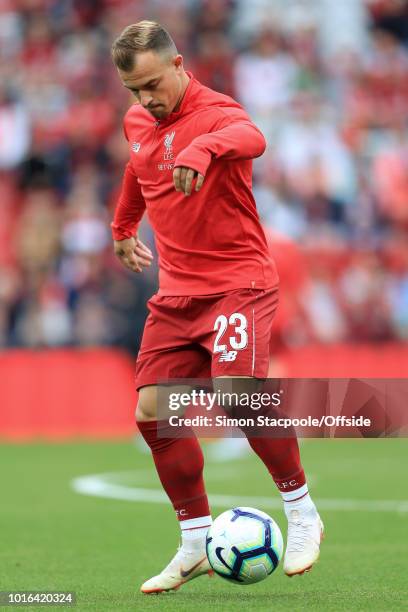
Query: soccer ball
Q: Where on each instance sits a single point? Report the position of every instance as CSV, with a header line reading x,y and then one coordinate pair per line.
x,y
244,545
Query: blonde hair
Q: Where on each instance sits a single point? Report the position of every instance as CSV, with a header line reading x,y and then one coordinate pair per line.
x,y
138,38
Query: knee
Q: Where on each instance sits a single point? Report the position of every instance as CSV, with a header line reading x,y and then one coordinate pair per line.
x,y
146,409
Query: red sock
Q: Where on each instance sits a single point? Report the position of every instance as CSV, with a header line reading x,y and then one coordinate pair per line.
x,y
282,458
179,464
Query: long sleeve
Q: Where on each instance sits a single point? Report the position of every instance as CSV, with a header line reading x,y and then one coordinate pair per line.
x,y
130,207
235,137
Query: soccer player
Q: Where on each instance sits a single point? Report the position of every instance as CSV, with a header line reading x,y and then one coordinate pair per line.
x,y
190,167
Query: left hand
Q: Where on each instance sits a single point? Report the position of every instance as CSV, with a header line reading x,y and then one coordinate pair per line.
x,y
183,179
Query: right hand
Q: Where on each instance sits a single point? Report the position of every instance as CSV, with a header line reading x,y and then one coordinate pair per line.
x,y
133,254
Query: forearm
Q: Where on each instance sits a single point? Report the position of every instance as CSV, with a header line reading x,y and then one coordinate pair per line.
x,y
130,207
239,140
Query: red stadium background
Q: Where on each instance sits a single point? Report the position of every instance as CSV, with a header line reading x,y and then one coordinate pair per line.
x,y
332,191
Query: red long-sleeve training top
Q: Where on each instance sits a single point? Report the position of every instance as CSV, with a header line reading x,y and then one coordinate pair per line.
x,y
210,241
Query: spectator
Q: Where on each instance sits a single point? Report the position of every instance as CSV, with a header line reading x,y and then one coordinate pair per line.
x,y
332,184
14,129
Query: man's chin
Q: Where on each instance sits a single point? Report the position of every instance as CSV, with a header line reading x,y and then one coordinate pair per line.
x,y
158,113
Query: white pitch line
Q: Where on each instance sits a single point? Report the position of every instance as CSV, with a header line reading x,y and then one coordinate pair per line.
x,y
96,485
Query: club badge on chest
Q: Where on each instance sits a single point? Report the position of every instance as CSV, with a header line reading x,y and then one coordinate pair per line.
x,y
168,154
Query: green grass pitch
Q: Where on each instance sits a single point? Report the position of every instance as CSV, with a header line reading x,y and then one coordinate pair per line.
x,y
52,538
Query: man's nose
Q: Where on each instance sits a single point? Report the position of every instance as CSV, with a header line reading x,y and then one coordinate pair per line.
x,y
145,99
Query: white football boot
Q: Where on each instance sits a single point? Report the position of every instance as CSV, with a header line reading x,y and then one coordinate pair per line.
x,y
305,532
184,566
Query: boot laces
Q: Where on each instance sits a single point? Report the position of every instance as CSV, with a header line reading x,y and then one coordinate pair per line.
x,y
298,532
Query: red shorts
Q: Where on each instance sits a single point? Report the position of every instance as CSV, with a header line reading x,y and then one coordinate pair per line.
x,y
204,336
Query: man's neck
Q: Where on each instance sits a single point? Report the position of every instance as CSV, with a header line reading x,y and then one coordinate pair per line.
x,y
185,82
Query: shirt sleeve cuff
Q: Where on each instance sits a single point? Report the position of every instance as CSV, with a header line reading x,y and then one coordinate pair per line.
x,y
122,233
191,158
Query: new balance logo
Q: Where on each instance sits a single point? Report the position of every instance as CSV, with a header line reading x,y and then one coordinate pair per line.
x,y
228,356
135,147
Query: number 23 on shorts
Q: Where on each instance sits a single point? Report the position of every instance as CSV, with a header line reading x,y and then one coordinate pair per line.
x,y
239,339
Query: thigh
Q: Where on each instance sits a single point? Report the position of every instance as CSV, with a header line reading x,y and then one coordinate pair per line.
x,y
154,401
167,350
238,332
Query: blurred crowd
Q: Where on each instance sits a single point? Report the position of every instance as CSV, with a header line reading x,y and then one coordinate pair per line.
x,y
327,83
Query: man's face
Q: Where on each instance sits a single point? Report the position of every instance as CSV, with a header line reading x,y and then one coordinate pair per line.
x,y
156,82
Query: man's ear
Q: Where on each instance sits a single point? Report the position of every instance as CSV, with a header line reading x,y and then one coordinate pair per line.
x,y
178,61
